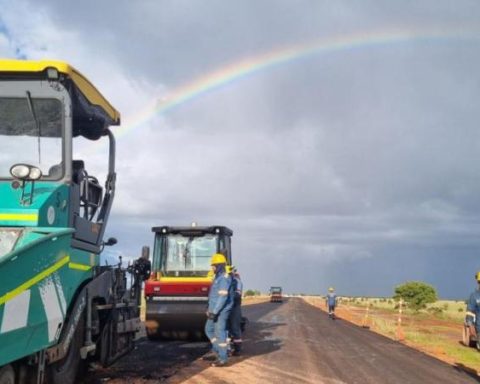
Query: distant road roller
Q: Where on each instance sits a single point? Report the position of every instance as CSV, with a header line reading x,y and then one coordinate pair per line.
x,y
177,292
276,295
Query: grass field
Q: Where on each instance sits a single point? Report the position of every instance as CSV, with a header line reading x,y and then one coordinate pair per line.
x,y
443,309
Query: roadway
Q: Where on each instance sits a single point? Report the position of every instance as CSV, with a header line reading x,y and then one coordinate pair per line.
x,y
289,342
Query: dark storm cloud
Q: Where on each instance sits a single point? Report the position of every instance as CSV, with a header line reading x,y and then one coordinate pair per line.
x,y
173,41
355,168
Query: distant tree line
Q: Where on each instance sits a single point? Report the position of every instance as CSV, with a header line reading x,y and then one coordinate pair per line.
x,y
251,292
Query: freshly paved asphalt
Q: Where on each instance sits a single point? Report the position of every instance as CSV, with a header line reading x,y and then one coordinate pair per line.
x,y
289,342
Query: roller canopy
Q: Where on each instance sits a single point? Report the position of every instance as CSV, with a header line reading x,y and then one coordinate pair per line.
x,y
194,231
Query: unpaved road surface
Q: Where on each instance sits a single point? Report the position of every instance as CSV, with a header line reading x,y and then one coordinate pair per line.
x,y
289,342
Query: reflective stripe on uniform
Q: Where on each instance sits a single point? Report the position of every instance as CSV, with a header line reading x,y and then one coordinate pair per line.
x,y
213,339
222,345
223,292
237,341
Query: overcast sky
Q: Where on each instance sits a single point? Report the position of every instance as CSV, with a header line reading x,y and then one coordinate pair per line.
x,y
355,168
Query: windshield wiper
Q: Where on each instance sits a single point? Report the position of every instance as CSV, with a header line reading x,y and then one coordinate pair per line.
x,y
37,124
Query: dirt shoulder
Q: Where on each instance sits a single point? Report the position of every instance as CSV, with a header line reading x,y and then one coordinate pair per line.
x,y
440,338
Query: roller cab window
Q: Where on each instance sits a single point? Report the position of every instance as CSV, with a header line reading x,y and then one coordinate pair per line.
x,y
186,255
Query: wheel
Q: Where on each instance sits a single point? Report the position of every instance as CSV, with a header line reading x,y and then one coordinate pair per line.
x,y
180,335
198,336
157,335
7,375
467,338
152,335
71,366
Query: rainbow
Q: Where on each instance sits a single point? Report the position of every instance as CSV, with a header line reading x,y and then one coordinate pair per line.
x,y
246,67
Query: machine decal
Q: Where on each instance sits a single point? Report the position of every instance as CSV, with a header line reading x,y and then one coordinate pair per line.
x,y
15,313
73,325
80,267
19,216
34,280
61,295
52,306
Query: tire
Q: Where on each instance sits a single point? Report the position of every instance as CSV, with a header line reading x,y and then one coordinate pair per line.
x,y
71,366
7,375
467,338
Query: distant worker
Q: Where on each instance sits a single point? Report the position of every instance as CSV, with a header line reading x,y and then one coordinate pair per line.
x,y
220,302
331,302
472,318
235,320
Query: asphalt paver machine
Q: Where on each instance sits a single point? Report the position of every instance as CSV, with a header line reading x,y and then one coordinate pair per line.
x,y
58,307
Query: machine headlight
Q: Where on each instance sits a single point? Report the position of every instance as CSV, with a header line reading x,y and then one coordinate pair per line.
x,y
52,73
25,172
34,173
20,171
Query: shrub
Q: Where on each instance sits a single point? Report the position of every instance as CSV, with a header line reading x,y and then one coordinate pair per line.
x,y
435,310
416,294
249,292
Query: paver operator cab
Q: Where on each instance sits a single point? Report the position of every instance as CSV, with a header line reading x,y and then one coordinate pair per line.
x,y
177,291
58,307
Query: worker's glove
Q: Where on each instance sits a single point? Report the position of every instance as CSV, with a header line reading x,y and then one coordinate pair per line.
x,y
212,316
469,320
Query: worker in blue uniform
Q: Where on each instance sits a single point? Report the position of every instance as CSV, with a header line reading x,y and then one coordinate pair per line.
x,y
220,302
235,320
472,317
331,302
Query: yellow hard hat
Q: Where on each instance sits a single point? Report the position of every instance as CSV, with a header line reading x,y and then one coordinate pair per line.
x,y
477,276
330,289
218,258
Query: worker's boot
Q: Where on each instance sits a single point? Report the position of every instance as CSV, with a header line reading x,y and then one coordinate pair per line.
x,y
210,356
219,363
237,347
